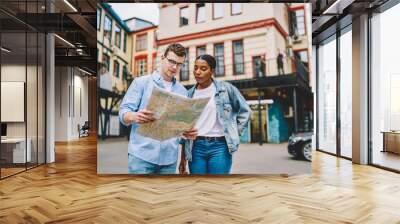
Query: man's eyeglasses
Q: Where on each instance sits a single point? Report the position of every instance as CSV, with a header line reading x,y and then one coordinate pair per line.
x,y
173,63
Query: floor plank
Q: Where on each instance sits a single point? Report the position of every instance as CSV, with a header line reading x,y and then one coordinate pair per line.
x,y
70,191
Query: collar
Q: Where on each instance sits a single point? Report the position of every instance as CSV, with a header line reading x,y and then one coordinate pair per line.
x,y
159,79
218,86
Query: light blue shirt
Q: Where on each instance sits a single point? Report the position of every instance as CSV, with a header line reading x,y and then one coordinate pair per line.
x,y
137,98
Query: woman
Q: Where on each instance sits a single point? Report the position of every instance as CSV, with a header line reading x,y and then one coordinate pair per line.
x,y
219,126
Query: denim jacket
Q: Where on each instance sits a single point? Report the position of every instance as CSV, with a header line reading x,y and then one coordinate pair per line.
x,y
232,112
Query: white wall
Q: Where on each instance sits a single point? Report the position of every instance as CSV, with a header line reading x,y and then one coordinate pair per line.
x,y
71,103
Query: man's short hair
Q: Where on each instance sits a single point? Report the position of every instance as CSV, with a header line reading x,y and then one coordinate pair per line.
x,y
178,49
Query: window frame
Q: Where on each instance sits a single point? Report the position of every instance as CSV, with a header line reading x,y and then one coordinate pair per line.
x,y
197,13
308,56
99,18
145,39
120,36
109,36
116,65
180,15
137,66
106,62
233,57
201,46
241,9
188,67
125,41
304,21
216,59
213,11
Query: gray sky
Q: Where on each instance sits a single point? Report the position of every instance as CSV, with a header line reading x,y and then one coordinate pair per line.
x,y
147,11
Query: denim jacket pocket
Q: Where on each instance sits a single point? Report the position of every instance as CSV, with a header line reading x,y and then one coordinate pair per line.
x,y
227,110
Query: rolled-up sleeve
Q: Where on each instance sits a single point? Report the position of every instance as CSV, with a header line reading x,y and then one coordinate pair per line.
x,y
131,100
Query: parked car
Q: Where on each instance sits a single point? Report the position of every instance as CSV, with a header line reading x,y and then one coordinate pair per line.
x,y
300,145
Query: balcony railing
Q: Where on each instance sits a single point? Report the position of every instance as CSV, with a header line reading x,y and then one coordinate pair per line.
x,y
286,66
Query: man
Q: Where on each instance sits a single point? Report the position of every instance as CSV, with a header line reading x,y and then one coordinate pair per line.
x,y
260,66
147,155
279,61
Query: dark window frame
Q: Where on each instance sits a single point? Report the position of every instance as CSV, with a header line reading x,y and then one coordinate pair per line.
x,y
109,35
197,12
120,36
233,57
106,62
99,18
216,58
180,16
116,65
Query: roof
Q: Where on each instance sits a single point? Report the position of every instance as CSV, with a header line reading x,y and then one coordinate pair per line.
x,y
146,21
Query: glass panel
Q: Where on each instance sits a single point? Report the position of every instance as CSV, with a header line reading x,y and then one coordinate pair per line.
x,y
98,18
125,36
218,10
41,99
141,67
31,98
107,27
327,97
184,16
13,77
346,94
116,69
118,36
184,73
236,8
219,56
141,42
200,50
385,84
300,24
201,13
238,57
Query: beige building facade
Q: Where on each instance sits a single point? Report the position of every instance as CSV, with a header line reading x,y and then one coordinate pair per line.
x,y
114,48
261,48
260,30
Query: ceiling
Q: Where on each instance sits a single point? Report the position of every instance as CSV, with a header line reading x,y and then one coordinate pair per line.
x,y
330,15
74,21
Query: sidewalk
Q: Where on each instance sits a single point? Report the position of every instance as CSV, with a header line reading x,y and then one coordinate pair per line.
x,y
112,158
267,159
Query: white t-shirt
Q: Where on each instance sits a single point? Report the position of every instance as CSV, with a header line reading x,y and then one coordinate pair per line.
x,y
167,85
208,124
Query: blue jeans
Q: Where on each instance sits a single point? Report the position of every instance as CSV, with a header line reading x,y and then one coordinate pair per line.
x,y
139,166
210,157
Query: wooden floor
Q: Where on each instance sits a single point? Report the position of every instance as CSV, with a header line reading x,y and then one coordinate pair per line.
x,y
70,191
